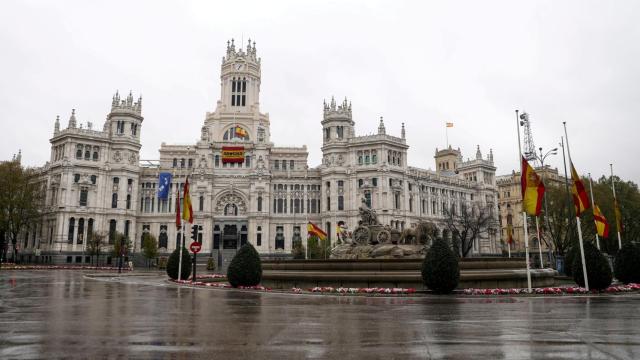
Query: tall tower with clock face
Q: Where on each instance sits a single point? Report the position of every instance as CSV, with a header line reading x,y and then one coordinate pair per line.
x,y
240,79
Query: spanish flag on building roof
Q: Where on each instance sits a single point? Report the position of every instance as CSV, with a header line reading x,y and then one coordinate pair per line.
x,y
532,189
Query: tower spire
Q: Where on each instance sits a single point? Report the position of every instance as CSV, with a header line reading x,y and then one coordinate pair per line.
x,y
56,125
381,128
402,133
72,119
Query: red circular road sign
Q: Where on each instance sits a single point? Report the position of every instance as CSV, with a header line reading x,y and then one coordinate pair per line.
x,y
195,247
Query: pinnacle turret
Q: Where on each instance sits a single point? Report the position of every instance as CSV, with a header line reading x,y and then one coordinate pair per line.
x,y
478,153
402,133
56,125
72,119
127,104
381,128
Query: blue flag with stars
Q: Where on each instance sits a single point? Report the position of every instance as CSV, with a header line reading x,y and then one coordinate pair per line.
x,y
164,184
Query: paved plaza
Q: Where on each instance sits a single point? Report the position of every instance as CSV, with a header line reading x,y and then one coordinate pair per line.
x,y
64,314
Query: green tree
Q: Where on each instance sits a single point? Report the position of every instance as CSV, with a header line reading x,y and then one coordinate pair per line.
x,y
95,245
149,247
298,250
318,249
21,202
121,247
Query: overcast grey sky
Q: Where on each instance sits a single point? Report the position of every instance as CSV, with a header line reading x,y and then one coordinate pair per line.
x,y
422,63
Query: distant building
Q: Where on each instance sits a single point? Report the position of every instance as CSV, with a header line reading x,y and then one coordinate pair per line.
x,y
244,188
510,207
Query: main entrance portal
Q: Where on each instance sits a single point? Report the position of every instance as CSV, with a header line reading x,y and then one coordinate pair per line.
x,y
228,237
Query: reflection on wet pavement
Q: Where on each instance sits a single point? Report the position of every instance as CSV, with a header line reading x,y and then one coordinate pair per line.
x,y
59,314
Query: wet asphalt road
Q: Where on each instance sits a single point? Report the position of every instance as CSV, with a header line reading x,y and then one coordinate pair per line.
x,y
61,314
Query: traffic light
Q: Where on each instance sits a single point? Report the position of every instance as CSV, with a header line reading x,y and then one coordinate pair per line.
x,y
200,234
194,232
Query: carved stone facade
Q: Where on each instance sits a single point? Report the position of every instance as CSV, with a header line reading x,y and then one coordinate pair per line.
x,y
267,199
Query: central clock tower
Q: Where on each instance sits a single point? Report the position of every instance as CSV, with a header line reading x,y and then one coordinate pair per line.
x,y
240,79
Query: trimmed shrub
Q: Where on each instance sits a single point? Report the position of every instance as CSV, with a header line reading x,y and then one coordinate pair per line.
x,y
569,257
627,264
174,262
440,269
598,269
211,264
245,268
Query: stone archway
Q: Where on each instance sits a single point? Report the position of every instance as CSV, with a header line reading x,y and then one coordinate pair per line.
x,y
231,204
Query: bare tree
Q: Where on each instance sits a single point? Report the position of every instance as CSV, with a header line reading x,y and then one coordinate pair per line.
x,y
21,201
468,224
95,244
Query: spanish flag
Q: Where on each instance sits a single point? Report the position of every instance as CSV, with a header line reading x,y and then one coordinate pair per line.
x,y
532,189
601,222
241,132
580,198
312,229
449,124
616,209
187,210
509,234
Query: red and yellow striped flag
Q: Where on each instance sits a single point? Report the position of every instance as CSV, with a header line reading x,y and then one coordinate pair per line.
x,y
602,227
532,189
509,234
187,209
616,209
580,198
312,229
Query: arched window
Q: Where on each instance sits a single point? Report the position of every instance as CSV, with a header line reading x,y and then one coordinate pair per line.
x,y
72,225
87,154
114,200
112,231
79,152
80,236
231,210
236,132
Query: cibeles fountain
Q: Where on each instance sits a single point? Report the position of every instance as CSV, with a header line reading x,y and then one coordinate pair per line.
x,y
372,240
375,255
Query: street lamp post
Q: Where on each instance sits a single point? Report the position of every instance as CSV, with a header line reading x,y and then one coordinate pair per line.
x,y
542,157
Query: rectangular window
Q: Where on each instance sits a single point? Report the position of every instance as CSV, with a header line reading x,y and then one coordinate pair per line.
x,y
340,203
291,164
259,239
84,193
328,203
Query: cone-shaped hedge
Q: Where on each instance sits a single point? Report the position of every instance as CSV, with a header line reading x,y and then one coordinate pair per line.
x,y
569,257
174,261
627,264
440,270
598,269
245,268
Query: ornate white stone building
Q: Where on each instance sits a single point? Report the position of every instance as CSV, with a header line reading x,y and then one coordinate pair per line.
x,y
95,180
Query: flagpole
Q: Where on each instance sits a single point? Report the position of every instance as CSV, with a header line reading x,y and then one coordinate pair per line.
x,y
446,134
509,248
539,243
180,241
615,200
524,214
584,264
593,209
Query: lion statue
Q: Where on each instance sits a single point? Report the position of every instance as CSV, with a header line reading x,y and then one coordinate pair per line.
x,y
422,233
